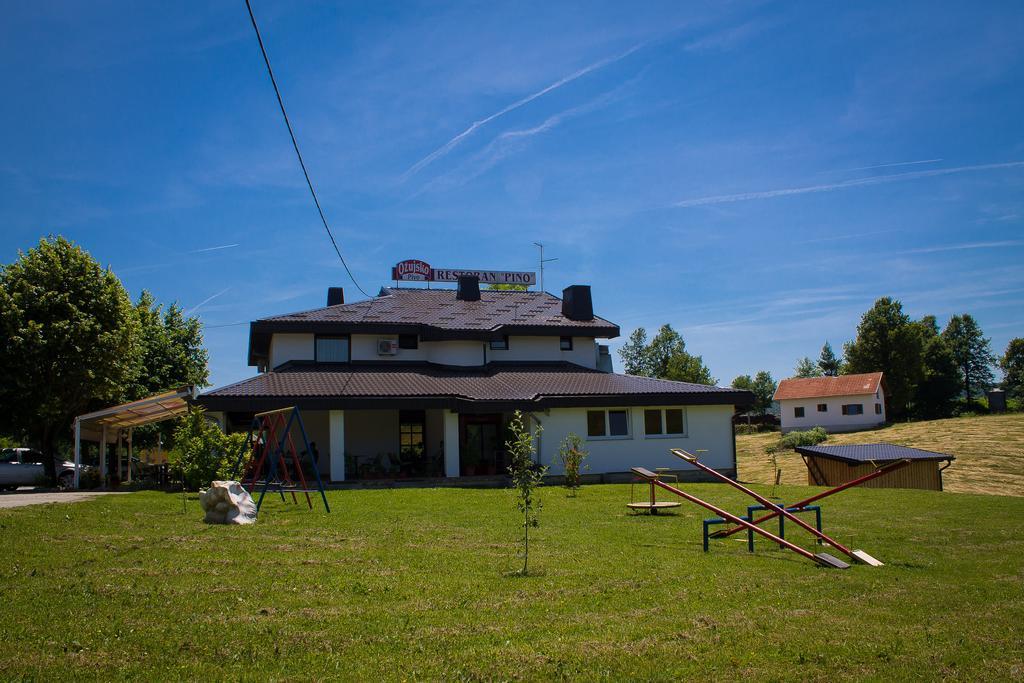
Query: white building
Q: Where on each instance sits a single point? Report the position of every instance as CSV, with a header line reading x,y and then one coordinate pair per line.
x,y
839,404
420,383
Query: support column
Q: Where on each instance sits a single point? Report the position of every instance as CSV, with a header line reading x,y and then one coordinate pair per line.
x,y
78,450
130,430
118,451
451,444
103,457
336,422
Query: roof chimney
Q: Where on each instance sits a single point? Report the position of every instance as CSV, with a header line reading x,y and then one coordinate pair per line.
x,y
335,296
469,288
576,303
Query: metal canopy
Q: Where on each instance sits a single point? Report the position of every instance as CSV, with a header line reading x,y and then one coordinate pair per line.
x,y
156,408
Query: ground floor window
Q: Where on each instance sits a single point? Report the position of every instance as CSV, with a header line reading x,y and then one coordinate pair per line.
x,y
878,409
798,411
664,422
607,423
411,440
822,407
853,409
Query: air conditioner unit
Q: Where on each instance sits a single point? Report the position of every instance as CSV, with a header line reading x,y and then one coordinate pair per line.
x,y
387,347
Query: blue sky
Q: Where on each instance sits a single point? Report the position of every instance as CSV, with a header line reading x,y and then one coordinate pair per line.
x,y
756,174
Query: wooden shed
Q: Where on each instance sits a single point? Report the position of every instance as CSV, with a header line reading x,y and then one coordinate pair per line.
x,y
835,465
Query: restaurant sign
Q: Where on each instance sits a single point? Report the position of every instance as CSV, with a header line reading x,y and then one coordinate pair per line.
x,y
418,271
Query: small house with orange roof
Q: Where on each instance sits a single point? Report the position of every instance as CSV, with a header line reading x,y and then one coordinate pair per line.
x,y
838,404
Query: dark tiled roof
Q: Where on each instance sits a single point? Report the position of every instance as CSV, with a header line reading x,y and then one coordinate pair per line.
x,y
872,452
440,309
820,387
533,384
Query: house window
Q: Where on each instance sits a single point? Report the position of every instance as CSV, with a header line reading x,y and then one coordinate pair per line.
x,y
565,343
664,421
607,423
822,407
408,341
331,349
411,440
499,344
798,411
853,409
878,409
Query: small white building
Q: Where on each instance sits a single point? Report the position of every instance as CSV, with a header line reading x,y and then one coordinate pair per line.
x,y
839,404
420,383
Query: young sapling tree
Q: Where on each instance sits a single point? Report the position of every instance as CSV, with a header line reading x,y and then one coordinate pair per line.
x,y
527,475
571,454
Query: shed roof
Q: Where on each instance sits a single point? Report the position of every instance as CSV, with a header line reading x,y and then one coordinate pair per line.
x,y
821,387
872,452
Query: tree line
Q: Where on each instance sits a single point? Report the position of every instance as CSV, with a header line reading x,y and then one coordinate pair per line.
x,y
930,371
74,342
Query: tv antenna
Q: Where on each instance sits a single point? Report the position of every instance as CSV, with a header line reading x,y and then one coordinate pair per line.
x,y
542,262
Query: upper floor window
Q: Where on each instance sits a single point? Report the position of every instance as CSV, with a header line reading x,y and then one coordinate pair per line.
x,y
408,341
565,343
853,409
499,344
332,349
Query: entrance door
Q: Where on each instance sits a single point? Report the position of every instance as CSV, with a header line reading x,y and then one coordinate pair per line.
x,y
482,451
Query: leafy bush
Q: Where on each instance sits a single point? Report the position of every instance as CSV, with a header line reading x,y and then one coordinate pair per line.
x,y
965,408
790,441
202,452
572,453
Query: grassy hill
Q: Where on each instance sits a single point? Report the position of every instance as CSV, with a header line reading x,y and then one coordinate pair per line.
x,y
989,451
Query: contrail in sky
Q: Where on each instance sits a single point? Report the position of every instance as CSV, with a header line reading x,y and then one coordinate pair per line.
x,y
858,182
898,163
205,301
450,145
223,246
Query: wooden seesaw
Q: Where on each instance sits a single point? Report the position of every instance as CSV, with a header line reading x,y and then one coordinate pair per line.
x,y
824,559
776,510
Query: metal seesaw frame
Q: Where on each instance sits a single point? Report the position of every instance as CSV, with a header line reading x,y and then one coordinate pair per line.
x,y
824,559
858,555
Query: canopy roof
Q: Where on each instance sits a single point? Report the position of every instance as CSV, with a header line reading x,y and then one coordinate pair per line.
x,y
156,408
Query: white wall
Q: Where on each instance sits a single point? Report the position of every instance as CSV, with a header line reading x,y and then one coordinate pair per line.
x,y
584,352
832,419
286,346
707,427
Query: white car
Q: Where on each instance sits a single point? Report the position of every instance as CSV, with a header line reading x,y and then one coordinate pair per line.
x,y
24,467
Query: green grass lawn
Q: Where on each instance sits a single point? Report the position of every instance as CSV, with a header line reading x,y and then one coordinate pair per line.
x,y
417,584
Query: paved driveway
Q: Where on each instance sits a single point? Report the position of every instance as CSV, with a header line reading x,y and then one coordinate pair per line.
x,y
17,499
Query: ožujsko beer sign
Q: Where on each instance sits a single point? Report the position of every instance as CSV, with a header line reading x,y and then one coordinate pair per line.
x,y
418,271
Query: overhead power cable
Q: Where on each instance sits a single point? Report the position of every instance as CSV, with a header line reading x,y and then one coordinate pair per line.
x,y
295,144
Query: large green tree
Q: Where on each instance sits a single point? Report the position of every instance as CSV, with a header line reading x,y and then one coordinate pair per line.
x,y
828,363
805,367
940,380
171,355
972,352
1012,364
70,341
889,342
665,357
762,386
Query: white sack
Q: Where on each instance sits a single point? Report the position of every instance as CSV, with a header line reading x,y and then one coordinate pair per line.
x,y
226,502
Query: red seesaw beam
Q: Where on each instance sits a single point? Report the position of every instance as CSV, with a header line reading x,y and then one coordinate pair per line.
x,y
858,555
724,533
821,558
